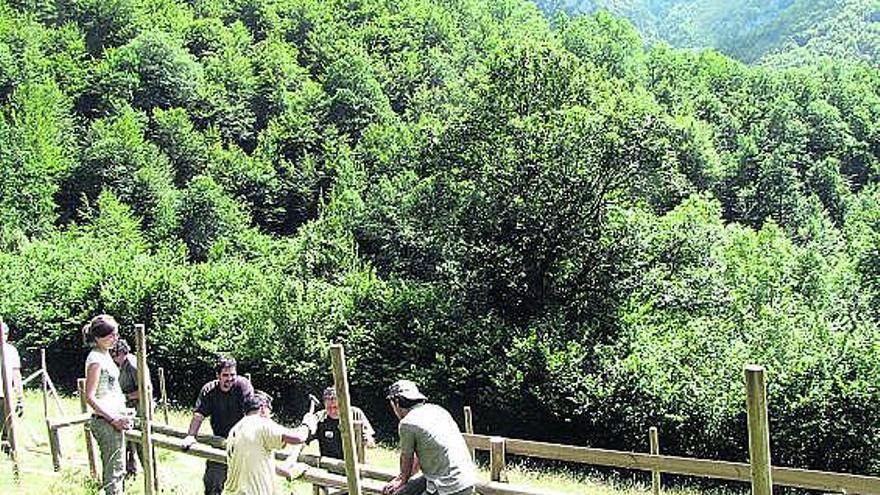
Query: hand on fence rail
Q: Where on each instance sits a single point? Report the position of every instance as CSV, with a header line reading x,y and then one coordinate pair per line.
x,y
188,442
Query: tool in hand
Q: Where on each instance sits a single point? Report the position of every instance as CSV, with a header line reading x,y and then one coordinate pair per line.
x,y
292,467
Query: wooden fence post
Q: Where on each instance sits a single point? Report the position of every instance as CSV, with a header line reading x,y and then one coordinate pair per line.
x,y
54,394
359,440
164,396
45,382
759,431
654,441
9,416
497,459
145,400
469,428
54,446
90,440
340,378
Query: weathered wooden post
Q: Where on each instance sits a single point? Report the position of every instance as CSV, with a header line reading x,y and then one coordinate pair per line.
x,y
45,382
469,428
654,441
145,400
497,459
9,416
340,378
90,440
163,394
54,394
54,446
359,440
759,430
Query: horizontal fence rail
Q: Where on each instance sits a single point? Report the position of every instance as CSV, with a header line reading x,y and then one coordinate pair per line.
x,y
211,447
735,471
325,472
329,472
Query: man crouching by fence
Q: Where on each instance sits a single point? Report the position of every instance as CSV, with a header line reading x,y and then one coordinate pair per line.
x,y
250,445
430,440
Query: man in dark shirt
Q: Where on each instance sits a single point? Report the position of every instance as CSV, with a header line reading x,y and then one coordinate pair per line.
x,y
327,434
128,383
223,400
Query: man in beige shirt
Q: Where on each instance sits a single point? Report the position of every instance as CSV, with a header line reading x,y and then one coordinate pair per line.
x,y
13,370
250,446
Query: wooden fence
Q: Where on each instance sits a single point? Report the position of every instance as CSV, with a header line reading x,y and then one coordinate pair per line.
x,y
759,471
499,448
766,474
724,470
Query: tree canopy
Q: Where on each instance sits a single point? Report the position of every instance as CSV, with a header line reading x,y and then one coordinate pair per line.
x,y
571,230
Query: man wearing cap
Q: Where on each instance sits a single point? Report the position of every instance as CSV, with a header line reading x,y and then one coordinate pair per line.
x,y
121,354
13,370
250,446
223,400
328,435
429,440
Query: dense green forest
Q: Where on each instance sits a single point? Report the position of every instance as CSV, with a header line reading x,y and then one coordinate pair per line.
x,y
577,235
788,32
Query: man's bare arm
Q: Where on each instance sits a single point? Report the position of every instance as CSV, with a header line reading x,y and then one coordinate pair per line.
x,y
194,425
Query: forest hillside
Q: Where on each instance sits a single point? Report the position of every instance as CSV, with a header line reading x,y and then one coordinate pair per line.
x,y
790,32
574,232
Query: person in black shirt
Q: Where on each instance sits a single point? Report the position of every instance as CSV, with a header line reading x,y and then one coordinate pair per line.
x,y
223,400
327,434
129,385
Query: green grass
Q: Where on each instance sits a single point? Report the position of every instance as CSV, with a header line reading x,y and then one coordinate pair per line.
x,y
182,474
178,473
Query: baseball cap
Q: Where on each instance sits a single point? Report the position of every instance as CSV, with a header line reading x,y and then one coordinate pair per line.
x,y
406,389
329,393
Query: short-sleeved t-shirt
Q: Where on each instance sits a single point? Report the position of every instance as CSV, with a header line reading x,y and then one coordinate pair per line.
x,y
13,361
328,435
251,464
430,432
224,408
108,392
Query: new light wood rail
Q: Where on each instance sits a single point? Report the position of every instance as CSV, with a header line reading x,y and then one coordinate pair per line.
x,y
210,447
213,448
323,471
737,471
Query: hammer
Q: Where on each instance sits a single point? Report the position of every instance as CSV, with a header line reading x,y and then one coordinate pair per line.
x,y
313,401
292,466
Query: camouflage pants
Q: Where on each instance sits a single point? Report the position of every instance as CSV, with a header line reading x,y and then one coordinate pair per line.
x,y
418,485
110,441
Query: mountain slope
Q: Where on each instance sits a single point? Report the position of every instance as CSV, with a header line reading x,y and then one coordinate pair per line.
x,y
851,33
750,30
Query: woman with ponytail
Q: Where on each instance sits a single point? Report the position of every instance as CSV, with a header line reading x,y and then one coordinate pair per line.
x,y
104,394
